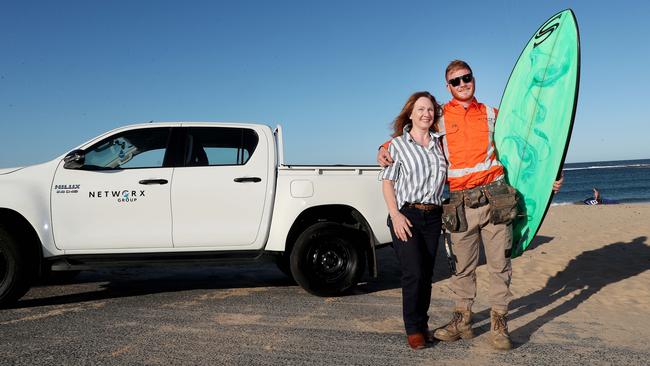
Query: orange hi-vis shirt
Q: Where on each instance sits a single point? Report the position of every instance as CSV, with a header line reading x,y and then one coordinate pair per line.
x,y
469,144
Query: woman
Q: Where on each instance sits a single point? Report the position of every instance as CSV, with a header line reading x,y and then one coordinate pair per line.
x,y
412,187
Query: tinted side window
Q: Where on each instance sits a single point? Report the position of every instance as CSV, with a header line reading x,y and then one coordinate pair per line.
x,y
143,148
219,146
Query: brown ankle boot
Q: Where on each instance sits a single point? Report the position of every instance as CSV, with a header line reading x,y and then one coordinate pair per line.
x,y
460,326
499,331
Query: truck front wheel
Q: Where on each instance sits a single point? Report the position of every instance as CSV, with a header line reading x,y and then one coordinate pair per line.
x,y
325,259
14,273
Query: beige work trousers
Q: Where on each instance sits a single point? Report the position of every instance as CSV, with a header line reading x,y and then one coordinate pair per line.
x,y
496,240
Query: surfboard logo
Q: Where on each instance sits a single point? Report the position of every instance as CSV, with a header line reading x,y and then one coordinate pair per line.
x,y
546,30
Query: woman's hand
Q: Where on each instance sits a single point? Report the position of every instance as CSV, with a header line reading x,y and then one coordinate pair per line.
x,y
401,226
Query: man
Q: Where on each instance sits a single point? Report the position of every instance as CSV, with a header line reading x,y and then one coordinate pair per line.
x,y
468,128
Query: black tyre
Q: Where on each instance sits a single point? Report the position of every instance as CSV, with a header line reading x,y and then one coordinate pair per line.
x,y
326,260
15,274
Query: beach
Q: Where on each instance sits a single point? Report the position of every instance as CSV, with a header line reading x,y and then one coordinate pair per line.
x,y
581,296
584,281
580,292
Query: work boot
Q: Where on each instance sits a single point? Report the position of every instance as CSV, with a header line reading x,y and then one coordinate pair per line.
x,y
499,331
460,326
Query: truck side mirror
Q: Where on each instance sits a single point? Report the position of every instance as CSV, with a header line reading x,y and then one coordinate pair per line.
x,y
74,160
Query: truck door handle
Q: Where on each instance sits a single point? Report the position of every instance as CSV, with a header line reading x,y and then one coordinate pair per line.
x,y
153,181
247,179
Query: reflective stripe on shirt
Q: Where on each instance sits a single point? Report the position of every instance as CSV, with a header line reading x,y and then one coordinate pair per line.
x,y
468,138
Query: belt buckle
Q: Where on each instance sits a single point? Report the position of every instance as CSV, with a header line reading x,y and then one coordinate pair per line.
x,y
425,206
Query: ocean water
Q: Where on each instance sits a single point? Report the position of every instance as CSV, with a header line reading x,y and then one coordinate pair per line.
x,y
624,181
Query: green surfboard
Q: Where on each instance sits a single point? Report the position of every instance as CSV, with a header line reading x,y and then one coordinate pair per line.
x,y
535,120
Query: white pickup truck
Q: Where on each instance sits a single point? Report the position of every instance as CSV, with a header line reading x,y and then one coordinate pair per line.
x,y
169,193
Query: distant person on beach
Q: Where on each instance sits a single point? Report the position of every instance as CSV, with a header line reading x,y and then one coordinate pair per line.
x,y
412,188
476,178
597,199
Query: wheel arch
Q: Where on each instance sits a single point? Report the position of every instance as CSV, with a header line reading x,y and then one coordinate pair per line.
x,y
342,214
23,231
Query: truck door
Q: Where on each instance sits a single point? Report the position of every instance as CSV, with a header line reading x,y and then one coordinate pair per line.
x,y
119,198
219,197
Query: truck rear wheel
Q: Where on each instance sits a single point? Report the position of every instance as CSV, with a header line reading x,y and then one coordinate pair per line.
x,y
326,261
14,272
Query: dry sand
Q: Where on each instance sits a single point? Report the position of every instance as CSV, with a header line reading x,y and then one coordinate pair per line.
x,y
585,277
581,292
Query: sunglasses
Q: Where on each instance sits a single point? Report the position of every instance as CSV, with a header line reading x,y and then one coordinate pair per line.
x,y
467,78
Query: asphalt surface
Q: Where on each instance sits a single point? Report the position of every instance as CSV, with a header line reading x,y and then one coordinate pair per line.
x,y
250,315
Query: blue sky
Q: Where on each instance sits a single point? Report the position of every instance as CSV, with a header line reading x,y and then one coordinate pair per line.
x,y
333,73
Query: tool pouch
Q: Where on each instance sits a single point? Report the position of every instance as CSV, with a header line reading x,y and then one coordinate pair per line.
x,y
474,198
503,203
453,214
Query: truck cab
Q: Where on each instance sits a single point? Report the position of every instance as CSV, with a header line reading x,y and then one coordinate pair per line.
x,y
188,192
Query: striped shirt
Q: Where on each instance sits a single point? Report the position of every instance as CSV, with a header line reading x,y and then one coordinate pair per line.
x,y
419,173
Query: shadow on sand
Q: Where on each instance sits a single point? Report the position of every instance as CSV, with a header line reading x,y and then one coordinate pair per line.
x,y
127,282
583,277
390,272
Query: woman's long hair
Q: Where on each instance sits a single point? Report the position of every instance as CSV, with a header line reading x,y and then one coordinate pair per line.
x,y
403,118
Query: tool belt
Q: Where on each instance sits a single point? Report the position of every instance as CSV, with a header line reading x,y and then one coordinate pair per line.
x,y
453,214
501,197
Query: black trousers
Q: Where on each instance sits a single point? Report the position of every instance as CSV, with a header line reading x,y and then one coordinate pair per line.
x,y
416,257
